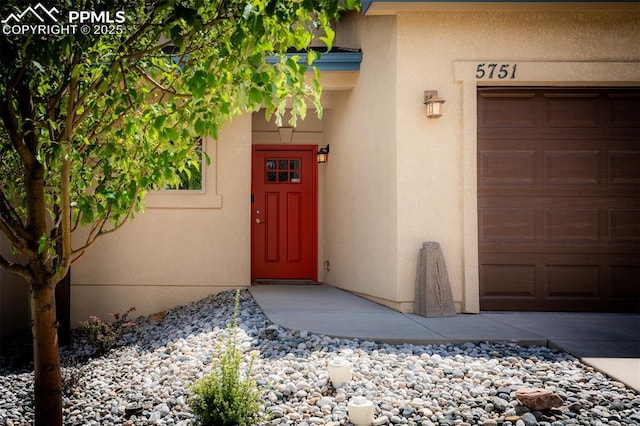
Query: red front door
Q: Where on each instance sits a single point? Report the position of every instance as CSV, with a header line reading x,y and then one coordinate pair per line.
x,y
283,213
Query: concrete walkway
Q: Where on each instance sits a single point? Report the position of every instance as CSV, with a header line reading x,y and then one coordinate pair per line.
x,y
608,342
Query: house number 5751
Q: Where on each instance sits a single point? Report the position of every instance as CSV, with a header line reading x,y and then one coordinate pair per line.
x,y
499,71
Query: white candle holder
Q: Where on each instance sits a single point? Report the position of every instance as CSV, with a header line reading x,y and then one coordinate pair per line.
x,y
339,371
360,411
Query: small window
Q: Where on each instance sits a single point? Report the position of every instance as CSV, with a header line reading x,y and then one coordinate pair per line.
x,y
282,170
206,197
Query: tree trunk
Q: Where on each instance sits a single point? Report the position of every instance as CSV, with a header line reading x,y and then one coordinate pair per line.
x,y
46,359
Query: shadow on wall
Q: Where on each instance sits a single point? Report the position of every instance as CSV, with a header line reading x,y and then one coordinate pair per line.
x,y
14,298
14,305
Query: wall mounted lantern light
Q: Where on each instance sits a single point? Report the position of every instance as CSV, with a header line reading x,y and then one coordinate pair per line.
x,y
434,104
323,154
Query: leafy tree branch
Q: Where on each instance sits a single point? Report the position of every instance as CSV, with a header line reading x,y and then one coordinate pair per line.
x,y
91,123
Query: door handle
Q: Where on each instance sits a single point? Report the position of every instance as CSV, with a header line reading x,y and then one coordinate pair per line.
x,y
259,221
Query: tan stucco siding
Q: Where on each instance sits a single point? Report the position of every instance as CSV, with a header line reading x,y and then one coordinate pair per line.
x,y
436,158
170,256
359,203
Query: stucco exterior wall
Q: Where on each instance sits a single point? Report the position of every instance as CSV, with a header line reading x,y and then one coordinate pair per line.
x,y
436,158
396,178
360,207
170,256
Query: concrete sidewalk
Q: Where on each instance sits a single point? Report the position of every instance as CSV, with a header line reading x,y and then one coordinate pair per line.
x,y
608,342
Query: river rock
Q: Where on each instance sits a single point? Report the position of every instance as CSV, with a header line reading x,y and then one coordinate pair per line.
x,y
537,399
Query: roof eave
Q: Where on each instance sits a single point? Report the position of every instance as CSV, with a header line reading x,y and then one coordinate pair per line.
x,y
392,7
330,61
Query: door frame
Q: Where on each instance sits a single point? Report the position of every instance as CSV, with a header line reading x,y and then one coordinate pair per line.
x,y
314,199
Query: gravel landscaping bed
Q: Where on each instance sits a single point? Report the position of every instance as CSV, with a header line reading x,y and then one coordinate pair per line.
x,y
409,384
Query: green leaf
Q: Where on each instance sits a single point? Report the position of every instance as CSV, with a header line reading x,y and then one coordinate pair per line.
x,y
158,123
199,126
43,243
130,128
171,133
176,35
255,95
351,4
133,187
38,66
198,83
86,212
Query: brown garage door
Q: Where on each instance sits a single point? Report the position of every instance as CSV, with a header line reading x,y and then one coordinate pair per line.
x,y
559,199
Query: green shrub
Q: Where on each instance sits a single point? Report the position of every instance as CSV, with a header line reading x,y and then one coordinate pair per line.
x,y
103,336
226,397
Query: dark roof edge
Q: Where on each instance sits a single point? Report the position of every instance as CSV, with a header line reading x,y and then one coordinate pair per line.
x,y
366,4
331,61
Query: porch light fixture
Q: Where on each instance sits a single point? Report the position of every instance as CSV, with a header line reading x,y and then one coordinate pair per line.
x,y
360,411
339,371
434,104
322,155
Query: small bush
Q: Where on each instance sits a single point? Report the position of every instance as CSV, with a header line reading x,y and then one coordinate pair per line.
x,y
226,397
103,336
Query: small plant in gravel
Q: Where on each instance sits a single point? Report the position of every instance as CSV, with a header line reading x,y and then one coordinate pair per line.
x,y
227,397
102,336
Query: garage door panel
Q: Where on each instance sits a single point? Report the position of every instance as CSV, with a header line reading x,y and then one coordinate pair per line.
x,y
521,111
624,225
578,249
507,224
624,167
546,282
623,111
561,191
572,281
572,167
624,281
559,203
507,167
571,225
516,280
595,224
571,110
569,165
